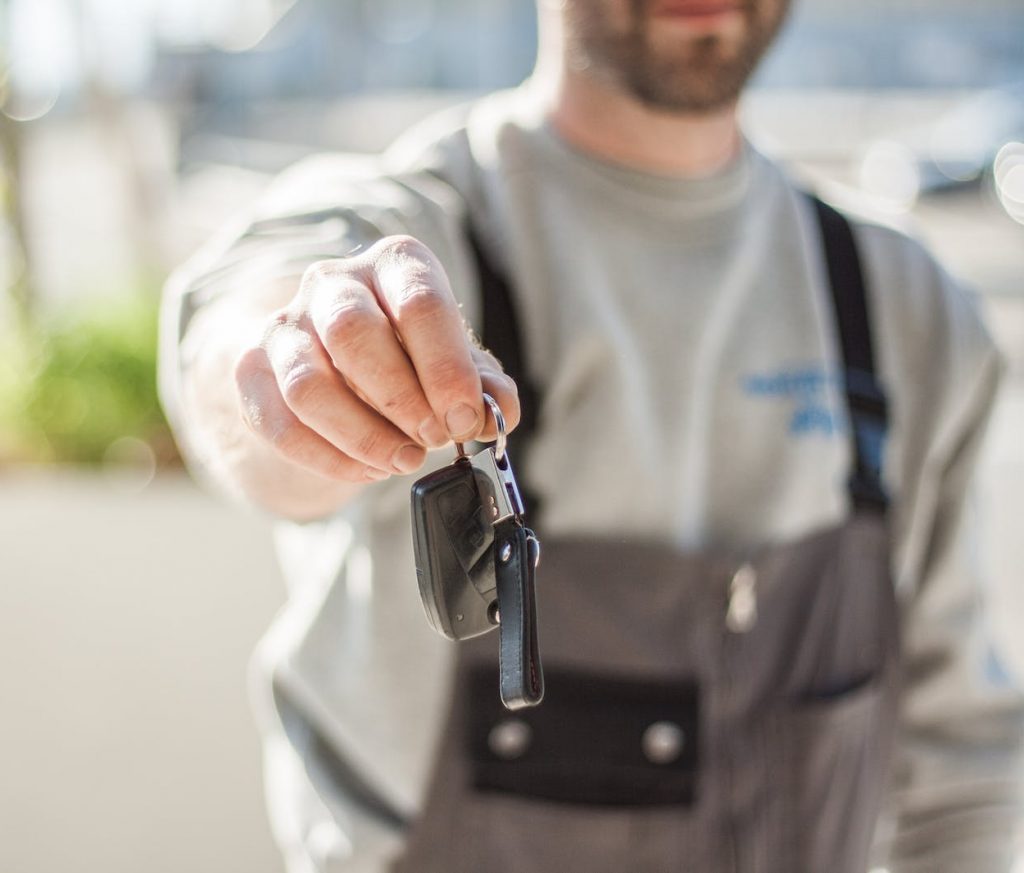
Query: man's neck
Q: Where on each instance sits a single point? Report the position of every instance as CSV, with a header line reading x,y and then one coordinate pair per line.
x,y
604,121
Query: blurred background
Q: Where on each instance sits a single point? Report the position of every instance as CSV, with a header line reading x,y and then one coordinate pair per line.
x,y
129,131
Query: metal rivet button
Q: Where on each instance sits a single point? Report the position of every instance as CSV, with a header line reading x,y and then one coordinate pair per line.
x,y
663,742
510,739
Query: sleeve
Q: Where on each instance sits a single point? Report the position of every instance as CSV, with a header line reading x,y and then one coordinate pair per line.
x,y
956,784
328,206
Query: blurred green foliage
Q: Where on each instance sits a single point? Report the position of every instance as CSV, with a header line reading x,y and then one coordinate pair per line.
x,y
73,383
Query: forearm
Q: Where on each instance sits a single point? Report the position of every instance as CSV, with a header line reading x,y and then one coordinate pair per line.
x,y
225,447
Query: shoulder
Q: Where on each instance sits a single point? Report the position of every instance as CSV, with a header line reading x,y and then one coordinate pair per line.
x,y
928,324
431,162
470,148
910,284
937,359
332,204
429,178
933,319
465,133
928,319
332,184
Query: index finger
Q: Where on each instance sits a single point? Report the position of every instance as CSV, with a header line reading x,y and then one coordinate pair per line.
x,y
414,292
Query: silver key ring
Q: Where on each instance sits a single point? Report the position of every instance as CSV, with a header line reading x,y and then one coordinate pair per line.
x,y
499,422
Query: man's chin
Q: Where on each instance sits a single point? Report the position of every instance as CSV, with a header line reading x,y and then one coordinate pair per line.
x,y
702,86
684,56
690,105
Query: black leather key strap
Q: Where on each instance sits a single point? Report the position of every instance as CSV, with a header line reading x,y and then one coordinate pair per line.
x,y
521,680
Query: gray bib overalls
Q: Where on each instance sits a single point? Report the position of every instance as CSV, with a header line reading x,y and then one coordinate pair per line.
x,y
701,713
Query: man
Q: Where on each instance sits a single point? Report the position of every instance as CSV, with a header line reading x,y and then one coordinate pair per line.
x,y
740,406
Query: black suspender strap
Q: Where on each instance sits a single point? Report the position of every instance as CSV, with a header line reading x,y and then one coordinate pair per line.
x,y
865,401
502,337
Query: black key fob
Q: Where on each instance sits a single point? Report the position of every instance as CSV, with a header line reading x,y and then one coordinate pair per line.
x,y
453,533
476,562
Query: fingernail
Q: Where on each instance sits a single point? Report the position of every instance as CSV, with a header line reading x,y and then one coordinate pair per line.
x,y
462,421
376,475
432,434
407,459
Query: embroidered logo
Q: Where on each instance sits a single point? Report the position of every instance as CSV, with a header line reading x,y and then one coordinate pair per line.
x,y
807,388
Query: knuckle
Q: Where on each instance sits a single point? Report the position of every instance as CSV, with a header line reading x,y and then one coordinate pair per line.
x,y
302,387
286,437
349,325
254,416
404,399
348,470
401,248
280,318
418,301
454,376
247,365
324,270
372,444
338,467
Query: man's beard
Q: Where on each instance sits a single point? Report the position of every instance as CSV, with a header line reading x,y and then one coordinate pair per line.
x,y
705,72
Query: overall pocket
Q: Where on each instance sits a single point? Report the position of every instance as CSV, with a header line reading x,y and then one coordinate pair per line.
x,y
587,781
832,766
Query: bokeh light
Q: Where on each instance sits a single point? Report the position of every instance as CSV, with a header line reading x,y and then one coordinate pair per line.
x,y
1008,175
130,464
31,105
888,173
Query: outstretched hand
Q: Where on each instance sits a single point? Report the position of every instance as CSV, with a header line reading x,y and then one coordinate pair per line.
x,y
370,365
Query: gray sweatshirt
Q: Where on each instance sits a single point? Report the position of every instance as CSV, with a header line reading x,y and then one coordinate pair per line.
x,y
681,336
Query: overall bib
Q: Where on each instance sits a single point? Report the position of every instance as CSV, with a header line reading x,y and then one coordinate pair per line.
x,y
701,713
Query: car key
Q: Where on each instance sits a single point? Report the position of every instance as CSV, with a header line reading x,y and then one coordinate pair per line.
x,y
476,560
